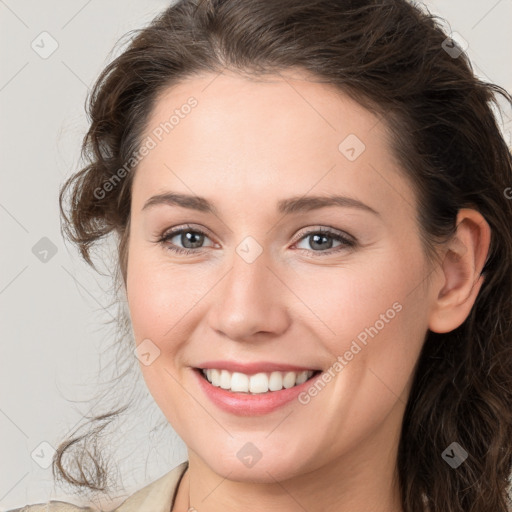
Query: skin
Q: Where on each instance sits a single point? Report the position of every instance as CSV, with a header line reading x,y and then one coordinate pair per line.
x,y
247,145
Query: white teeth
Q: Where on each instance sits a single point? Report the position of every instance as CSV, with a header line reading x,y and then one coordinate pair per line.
x,y
239,382
275,383
215,377
302,377
225,379
257,383
289,379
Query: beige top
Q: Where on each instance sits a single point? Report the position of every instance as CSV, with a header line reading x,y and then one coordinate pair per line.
x,y
157,496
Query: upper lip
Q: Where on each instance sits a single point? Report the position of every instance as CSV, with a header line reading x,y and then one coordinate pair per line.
x,y
252,368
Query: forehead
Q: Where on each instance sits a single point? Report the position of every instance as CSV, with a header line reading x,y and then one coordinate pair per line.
x,y
214,134
284,108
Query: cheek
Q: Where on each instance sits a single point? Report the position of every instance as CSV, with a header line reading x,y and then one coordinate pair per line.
x,y
147,297
151,290
156,302
162,297
379,322
346,301
377,317
146,300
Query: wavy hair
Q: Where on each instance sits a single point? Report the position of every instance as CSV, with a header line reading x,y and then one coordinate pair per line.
x,y
395,59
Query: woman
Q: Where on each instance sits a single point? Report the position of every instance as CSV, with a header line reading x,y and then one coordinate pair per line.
x,y
228,144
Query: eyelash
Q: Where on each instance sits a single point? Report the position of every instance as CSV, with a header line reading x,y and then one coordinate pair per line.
x,y
346,242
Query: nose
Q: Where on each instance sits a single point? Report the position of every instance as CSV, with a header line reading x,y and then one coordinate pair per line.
x,y
250,302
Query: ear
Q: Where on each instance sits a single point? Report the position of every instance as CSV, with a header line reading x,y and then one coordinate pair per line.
x,y
464,258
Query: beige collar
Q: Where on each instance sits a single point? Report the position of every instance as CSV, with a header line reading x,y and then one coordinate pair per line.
x,y
158,496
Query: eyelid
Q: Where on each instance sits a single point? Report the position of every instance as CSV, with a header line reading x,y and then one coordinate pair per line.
x,y
299,236
347,242
175,230
322,229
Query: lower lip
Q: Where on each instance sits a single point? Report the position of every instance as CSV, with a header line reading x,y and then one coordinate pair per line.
x,y
244,404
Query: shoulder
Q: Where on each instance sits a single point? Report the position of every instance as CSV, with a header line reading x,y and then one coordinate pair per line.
x,y
53,506
158,496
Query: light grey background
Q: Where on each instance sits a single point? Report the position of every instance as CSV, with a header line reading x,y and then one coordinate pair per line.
x,y
52,312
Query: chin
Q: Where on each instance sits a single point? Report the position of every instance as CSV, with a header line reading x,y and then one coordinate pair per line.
x,y
266,470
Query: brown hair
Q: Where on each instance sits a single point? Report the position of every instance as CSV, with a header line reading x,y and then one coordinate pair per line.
x,y
392,58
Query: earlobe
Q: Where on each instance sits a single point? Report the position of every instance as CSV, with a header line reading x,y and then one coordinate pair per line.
x,y
464,258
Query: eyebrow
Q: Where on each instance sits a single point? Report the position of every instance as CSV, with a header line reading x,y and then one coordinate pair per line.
x,y
284,206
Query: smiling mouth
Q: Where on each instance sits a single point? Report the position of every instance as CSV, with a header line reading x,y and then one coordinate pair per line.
x,y
258,383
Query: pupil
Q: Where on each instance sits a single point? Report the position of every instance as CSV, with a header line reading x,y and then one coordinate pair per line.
x,y
319,245
189,237
196,239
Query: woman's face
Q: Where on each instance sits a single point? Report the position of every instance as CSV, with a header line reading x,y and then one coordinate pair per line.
x,y
277,278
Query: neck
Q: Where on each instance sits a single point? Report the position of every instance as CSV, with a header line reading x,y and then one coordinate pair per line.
x,y
363,480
